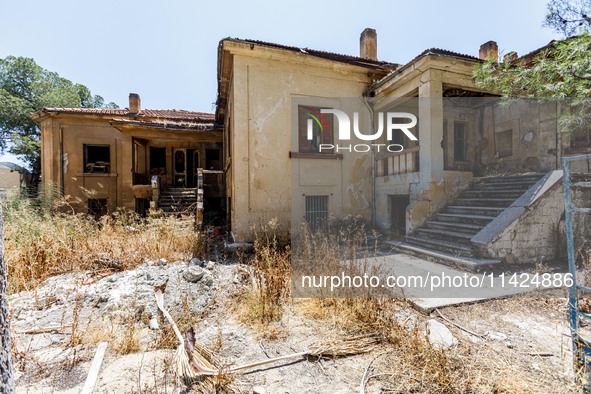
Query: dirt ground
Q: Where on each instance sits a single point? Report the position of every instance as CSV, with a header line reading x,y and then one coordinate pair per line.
x,y
524,341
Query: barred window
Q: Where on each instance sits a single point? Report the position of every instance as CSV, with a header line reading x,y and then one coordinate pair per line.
x,y
317,213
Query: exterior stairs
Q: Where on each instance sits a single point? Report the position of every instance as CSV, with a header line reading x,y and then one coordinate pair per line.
x,y
447,235
176,200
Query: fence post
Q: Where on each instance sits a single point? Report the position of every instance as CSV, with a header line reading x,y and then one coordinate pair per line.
x,y
6,378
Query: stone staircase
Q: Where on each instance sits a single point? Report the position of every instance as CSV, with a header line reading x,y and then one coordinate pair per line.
x,y
176,200
448,234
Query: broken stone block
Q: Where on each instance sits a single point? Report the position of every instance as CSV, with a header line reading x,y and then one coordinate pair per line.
x,y
193,274
196,261
258,390
439,335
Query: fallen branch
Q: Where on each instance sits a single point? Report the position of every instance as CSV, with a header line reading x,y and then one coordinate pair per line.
x,y
190,364
95,367
458,326
340,348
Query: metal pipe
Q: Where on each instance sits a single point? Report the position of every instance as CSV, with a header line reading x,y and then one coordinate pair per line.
x,y
373,164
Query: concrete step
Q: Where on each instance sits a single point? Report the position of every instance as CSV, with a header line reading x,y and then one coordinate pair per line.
x,y
463,218
485,202
532,178
491,194
468,263
452,248
467,210
453,236
521,186
453,226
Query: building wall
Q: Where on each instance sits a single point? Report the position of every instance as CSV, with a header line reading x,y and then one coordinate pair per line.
x,y
63,141
534,137
517,243
265,182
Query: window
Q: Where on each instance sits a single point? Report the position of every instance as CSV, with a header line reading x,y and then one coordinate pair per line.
x,y
580,139
317,213
314,129
97,158
504,143
460,141
97,207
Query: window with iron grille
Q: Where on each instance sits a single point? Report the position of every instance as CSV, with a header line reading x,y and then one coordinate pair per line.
x,y
317,212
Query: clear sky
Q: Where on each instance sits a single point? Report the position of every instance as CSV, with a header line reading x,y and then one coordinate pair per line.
x,y
166,50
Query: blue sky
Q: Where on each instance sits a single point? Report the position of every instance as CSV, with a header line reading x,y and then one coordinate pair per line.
x,y
166,50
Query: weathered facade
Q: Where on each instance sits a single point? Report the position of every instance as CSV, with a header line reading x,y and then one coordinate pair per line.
x,y
268,175
127,158
439,190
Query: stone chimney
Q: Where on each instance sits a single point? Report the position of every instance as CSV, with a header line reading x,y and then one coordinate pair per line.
x,y
489,51
135,104
368,44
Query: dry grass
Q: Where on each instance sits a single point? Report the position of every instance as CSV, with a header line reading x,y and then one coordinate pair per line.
x,y
270,277
42,240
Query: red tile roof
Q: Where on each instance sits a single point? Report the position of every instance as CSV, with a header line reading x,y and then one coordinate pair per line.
x,y
175,114
164,123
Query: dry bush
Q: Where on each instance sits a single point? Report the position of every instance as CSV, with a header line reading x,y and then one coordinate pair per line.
x,y
42,240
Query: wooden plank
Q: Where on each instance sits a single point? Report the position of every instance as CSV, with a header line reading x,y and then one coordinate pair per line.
x,y
95,367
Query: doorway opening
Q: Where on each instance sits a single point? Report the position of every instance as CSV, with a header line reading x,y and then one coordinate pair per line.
x,y
398,205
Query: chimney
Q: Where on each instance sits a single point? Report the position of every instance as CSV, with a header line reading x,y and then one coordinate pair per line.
x,y
489,51
510,57
368,44
135,104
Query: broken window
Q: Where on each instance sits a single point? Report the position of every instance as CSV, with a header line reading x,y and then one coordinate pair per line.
x,y
97,158
317,213
460,141
97,207
314,129
504,143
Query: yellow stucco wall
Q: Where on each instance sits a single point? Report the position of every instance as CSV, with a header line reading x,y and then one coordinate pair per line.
x,y
266,182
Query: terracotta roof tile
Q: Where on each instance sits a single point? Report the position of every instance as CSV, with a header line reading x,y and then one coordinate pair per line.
x,y
175,114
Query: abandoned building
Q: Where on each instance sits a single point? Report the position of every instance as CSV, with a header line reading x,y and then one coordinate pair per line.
x,y
13,177
478,183
128,158
439,191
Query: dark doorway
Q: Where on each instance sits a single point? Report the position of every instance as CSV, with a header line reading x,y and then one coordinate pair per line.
x,y
142,206
398,205
157,161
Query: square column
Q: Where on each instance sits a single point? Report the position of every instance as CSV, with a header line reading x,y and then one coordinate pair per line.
x,y
430,130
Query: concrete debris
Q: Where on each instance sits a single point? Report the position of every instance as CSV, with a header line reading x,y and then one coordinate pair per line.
x,y
439,335
258,390
193,274
115,297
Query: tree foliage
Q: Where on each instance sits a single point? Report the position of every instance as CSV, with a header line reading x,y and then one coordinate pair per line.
x,y
26,87
569,16
562,70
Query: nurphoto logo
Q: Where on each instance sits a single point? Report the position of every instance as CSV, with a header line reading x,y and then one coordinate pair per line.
x,y
393,121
